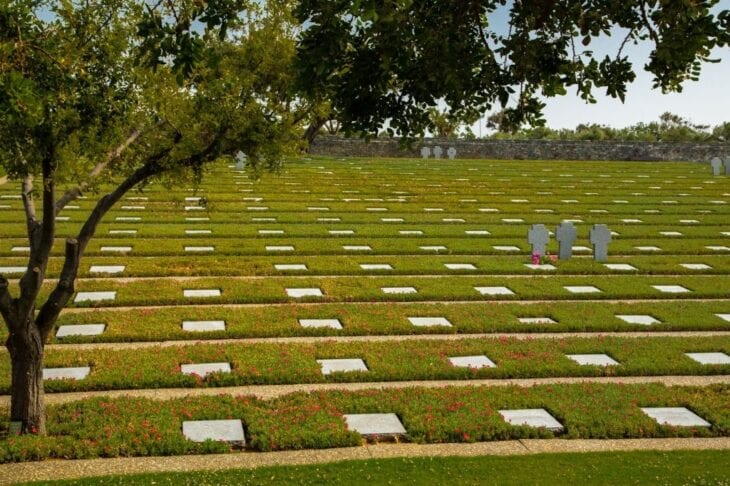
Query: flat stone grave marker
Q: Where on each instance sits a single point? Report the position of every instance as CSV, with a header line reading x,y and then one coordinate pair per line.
x,y
7,270
582,289
318,208
433,210
263,220
216,430
513,220
718,248
538,237
392,220
341,232
506,248
127,218
298,293
199,249
376,210
718,358
532,417
201,293
581,249
320,323
540,266
66,373
624,267
647,248
451,152
536,320
61,218
410,232
477,232
271,232
433,248
279,248
112,269
494,291
122,232
425,152
375,424
133,208
631,221
399,290
203,326
488,210
566,234
201,208
330,366
695,266
475,362
376,266
593,359
197,220
204,369
20,249
675,416
460,266
80,330
716,166
117,249
453,220
356,247
429,321
644,320
198,232
671,289
290,267
437,152
689,221
95,296
600,237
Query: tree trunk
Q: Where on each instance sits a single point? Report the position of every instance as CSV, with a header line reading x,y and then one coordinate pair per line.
x,y
27,404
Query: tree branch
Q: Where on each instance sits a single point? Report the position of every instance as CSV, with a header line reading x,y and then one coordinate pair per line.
x,y
31,219
7,305
75,192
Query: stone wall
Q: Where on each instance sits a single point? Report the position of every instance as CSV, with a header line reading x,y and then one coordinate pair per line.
x,y
527,149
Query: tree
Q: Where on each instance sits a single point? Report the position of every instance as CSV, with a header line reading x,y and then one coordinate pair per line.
x,y
388,63
77,109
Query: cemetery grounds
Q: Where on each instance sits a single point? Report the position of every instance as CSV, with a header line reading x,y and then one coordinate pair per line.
x,y
296,306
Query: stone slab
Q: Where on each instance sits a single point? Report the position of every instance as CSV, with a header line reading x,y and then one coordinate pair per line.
x,y
532,417
127,218
543,266
20,249
80,330
648,248
696,266
203,326
644,320
460,266
536,320
399,290
506,248
202,293
475,362
376,266
724,317
433,248
356,247
320,323
593,359
330,366
717,358
477,232
279,248
216,430
122,232
107,269
582,289
429,321
375,424
66,373
675,416
671,289
410,232
283,267
117,249
95,296
204,369
622,267
304,292
494,291
199,249
8,270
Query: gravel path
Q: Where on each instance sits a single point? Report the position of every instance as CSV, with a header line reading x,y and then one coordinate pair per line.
x,y
72,469
388,338
273,391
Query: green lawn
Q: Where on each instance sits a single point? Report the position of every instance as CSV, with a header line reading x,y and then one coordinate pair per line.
x,y
604,468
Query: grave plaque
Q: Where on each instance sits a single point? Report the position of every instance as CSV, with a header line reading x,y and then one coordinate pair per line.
x,y
425,152
538,237
716,165
566,234
600,237
437,152
451,152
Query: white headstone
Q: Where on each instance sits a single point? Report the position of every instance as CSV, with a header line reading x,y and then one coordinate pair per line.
x,y
476,362
675,416
718,358
593,359
399,290
80,330
66,373
204,369
216,430
494,290
320,323
304,292
644,320
330,366
201,293
203,326
671,289
532,417
95,296
283,267
451,152
582,289
429,321
375,424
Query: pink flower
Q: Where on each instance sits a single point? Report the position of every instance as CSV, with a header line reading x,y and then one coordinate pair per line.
x,y
535,258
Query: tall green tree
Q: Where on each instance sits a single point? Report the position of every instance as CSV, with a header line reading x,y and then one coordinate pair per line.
x,y
80,105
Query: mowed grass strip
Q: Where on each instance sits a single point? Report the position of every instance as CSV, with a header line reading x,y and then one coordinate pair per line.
x,y
265,364
140,427
601,468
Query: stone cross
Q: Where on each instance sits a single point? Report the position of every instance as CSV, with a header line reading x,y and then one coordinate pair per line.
x,y
716,164
425,152
451,153
438,152
537,237
600,237
566,234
